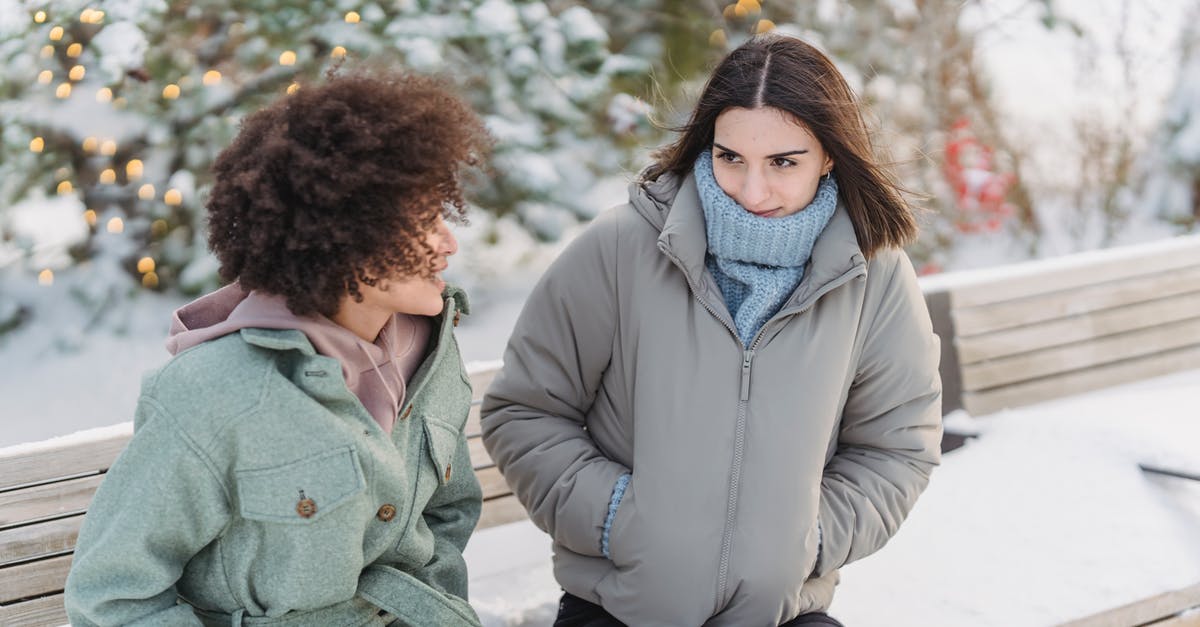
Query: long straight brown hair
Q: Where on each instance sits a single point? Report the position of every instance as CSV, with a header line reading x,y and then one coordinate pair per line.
x,y
788,74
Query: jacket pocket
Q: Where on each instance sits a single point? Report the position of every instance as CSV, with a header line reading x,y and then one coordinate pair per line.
x,y
623,548
301,492
443,448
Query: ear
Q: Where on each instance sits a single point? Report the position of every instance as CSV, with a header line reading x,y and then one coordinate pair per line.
x,y
827,167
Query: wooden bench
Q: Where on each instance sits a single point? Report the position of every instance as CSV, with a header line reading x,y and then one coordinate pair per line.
x,y
1042,330
1178,608
45,490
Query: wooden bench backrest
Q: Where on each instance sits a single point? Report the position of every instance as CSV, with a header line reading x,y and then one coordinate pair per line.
x,y
45,491
1054,328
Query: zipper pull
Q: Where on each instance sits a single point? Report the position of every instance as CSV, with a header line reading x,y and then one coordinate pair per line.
x,y
747,357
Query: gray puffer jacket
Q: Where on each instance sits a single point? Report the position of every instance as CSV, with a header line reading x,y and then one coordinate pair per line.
x,y
757,471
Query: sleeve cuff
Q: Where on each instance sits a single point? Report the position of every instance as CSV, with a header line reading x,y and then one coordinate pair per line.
x,y
617,494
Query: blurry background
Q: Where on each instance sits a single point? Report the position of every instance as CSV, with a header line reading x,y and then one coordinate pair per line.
x,y
1032,128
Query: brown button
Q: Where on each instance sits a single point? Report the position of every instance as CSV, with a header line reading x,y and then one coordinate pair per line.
x,y
447,472
386,513
408,411
306,508
456,317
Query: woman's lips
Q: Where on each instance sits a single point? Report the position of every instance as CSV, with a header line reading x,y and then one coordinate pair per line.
x,y
766,214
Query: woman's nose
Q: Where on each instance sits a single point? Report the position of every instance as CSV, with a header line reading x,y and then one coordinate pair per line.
x,y
448,244
754,190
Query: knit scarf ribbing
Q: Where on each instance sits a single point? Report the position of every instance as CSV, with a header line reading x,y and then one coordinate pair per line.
x,y
758,262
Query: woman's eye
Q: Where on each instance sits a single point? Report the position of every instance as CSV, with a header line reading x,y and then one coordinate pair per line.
x,y
780,162
727,157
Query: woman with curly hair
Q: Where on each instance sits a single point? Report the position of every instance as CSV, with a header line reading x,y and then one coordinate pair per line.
x,y
727,389
301,459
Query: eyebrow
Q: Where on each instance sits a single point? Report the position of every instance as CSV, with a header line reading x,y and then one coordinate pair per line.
x,y
774,156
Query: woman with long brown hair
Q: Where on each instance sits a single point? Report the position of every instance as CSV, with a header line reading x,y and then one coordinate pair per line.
x,y
726,389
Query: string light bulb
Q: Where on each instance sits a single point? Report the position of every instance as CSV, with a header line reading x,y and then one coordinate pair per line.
x,y
46,277
338,52
108,176
89,216
170,92
108,148
293,88
145,264
37,144
133,169
150,280
47,51
104,95
86,16
352,17
115,225
63,90
287,57
750,6
77,73
90,144
173,197
56,33
39,17
717,38
45,76
764,26
74,50
211,77
65,187
146,192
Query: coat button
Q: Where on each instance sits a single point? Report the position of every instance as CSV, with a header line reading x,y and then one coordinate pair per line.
x,y
447,472
386,513
306,508
456,317
408,411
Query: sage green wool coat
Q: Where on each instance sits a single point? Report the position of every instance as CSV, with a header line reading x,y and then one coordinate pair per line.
x,y
201,519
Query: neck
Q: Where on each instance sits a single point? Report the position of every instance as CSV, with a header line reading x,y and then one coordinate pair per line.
x,y
361,319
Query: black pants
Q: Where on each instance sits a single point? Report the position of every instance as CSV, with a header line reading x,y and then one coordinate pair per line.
x,y
575,612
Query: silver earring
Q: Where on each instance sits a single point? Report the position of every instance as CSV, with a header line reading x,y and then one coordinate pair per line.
x,y
825,177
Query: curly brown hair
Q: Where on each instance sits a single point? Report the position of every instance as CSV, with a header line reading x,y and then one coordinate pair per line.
x,y
338,184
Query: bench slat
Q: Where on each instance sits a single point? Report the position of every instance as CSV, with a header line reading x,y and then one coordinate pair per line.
x,y
47,500
1009,314
479,455
493,483
43,612
76,458
1162,606
34,578
46,538
1039,277
1077,328
989,401
1080,356
499,511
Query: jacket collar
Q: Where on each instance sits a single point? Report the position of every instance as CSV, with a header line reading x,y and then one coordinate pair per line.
x,y
673,206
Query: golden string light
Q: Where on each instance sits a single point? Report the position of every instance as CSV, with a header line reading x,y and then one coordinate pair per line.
x,y
170,92
173,197
146,192
47,51
104,95
764,26
65,187
133,169
74,50
108,148
45,76
77,73
90,144
56,33
145,264
338,52
39,17
37,144
287,57
150,280
115,225
211,77
63,90
353,17
108,176
46,277
717,38
89,216
293,88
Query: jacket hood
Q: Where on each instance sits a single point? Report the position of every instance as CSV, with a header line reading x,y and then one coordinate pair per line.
x,y
375,371
671,205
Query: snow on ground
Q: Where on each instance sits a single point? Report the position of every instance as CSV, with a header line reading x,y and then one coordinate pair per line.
x,y
1043,518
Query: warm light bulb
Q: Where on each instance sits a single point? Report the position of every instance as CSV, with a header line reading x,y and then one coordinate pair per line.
x,y
115,225
39,17
338,52
104,95
108,176
764,26
89,144
150,280
212,77
77,73
293,88
717,38
65,187
45,76
46,277
74,50
37,144
56,33
751,6
287,57
171,92
47,51
97,16
108,148
86,16
173,197
89,216
145,264
353,17
133,169
146,192
63,90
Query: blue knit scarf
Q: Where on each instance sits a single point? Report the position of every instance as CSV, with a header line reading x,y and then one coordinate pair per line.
x,y
758,262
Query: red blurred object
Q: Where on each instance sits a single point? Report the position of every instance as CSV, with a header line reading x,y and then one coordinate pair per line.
x,y
979,190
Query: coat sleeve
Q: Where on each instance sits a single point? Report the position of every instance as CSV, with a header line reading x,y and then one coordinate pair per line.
x,y
533,413
890,435
451,515
158,506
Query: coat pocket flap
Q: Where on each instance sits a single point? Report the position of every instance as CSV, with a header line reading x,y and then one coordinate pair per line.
x,y
302,491
443,446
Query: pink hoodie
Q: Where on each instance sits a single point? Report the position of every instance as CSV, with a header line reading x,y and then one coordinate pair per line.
x,y
376,372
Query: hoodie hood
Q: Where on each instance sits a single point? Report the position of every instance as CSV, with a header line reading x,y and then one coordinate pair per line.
x,y
376,372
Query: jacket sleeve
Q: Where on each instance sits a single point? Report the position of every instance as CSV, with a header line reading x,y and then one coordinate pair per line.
x,y
533,413
890,435
158,506
451,515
